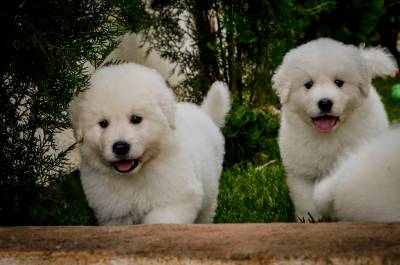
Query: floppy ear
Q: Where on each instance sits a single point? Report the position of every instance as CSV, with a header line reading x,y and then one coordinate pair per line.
x,y
281,85
379,61
364,88
167,104
75,110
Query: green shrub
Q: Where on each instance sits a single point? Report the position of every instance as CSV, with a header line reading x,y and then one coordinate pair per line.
x,y
254,194
392,105
44,51
250,135
62,203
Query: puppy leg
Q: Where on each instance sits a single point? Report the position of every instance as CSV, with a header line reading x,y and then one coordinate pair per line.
x,y
324,195
206,215
180,213
301,192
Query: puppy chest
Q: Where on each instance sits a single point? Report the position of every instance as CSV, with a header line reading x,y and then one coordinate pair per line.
x,y
310,161
115,200
131,205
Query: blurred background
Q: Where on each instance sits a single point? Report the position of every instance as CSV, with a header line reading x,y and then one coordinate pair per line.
x,y
49,48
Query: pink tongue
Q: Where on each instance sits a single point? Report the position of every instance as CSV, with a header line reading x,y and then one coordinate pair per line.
x,y
124,165
325,124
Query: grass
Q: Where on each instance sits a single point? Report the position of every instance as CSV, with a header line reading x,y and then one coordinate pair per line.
x,y
62,203
250,193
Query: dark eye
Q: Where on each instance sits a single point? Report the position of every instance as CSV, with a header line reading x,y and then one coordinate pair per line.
x,y
309,84
103,123
339,82
136,119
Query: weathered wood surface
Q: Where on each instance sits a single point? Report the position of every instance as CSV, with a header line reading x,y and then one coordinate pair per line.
x,y
277,243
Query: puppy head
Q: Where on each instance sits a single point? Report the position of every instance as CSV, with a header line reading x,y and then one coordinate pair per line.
x,y
124,118
324,80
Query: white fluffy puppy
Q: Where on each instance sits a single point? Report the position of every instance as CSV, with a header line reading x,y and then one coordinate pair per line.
x,y
146,159
328,106
366,186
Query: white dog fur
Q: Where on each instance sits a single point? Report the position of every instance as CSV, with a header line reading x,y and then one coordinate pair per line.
x,y
366,186
176,150
133,48
310,145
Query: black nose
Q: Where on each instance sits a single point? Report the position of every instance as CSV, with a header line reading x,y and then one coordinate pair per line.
x,y
325,104
120,148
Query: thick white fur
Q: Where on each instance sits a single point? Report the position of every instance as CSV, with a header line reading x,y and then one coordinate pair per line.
x,y
217,103
308,154
380,61
366,185
133,48
179,145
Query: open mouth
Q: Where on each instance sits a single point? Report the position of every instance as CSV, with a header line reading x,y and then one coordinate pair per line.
x,y
125,165
325,123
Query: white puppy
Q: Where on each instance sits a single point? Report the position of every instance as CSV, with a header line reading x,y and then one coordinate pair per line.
x,y
366,186
146,159
328,107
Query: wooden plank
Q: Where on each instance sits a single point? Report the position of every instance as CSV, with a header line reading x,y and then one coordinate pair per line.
x,y
276,243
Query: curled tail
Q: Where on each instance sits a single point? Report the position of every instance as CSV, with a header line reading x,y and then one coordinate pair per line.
x,y
217,103
380,61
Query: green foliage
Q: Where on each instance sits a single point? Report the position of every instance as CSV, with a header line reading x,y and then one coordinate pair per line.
x,y
44,47
240,42
254,194
392,105
358,27
250,135
61,203
252,187
374,22
388,27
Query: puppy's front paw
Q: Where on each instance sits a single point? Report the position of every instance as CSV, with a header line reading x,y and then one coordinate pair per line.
x,y
126,220
323,196
170,215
